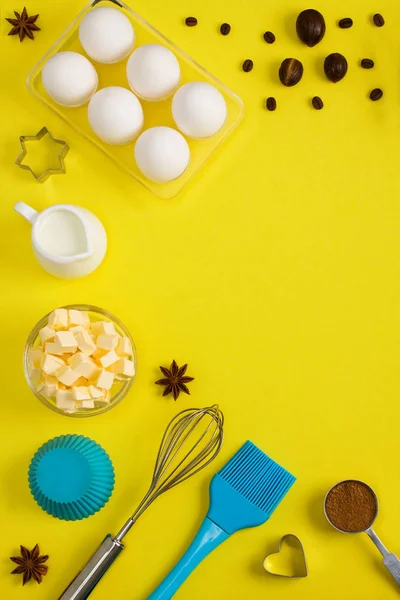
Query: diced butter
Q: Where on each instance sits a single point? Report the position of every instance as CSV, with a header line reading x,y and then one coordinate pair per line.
x,y
104,379
81,381
81,393
52,348
100,327
67,376
65,400
76,328
123,367
109,359
35,356
66,340
36,375
58,319
124,347
106,398
46,333
107,341
75,317
83,364
95,392
86,319
51,364
50,390
85,342
85,404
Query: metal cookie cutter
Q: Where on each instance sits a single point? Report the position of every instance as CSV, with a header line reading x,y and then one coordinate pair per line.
x,y
41,177
289,561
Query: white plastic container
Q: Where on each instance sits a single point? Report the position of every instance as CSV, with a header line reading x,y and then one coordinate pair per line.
x,y
67,241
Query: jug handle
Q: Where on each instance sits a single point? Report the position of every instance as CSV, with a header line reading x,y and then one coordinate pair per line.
x,y
26,211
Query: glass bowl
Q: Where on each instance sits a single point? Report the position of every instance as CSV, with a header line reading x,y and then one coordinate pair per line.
x,y
120,387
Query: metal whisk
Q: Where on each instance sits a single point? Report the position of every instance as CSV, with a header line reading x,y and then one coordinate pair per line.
x,y
191,441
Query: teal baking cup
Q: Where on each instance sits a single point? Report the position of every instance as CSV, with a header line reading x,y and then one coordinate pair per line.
x,y
71,477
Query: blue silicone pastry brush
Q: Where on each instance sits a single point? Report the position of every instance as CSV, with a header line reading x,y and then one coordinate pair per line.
x,y
243,494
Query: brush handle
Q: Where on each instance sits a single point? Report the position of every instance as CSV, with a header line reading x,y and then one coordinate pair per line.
x,y
208,537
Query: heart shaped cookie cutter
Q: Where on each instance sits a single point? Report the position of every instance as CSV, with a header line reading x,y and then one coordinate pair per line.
x,y
298,567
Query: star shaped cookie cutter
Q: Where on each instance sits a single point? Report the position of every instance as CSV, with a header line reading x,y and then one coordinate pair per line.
x,y
45,174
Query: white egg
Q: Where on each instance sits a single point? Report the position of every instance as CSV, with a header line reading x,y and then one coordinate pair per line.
x,y
153,72
69,78
106,34
199,109
162,154
115,115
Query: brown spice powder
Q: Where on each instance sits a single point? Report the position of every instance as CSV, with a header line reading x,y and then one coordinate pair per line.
x,y
351,506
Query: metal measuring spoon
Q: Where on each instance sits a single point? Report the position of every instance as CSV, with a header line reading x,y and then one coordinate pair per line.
x,y
390,560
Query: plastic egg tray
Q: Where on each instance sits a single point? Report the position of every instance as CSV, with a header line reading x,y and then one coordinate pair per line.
x,y
155,113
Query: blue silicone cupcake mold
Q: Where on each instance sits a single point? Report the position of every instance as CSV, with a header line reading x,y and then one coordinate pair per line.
x,y
71,477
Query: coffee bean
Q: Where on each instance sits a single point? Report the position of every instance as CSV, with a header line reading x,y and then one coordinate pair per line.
x,y
317,103
247,65
376,94
345,23
191,21
225,28
269,37
367,63
271,103
378,20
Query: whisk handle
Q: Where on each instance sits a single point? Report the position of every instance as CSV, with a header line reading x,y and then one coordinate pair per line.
x,y
207,539
93,571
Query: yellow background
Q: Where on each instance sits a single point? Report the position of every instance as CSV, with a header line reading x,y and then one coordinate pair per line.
x,y
275,276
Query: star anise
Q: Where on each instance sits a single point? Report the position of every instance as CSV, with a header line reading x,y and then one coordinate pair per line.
x,y
30,565
23,25
174,380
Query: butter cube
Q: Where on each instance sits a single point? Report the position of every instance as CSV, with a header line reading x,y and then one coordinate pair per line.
x,y
124,347
123,367
75,317
59,319
51,364
76,328
52,348
86,404
36,375
66,340
100,327
46,333
65,400
106,398
50,390
85,342
81,392
67,376
107,341
86,319
83,364
95,392
49,379
82,381
104,380
35,356
109,359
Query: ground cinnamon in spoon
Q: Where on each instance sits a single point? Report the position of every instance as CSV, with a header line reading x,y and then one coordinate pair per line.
x,y
351,506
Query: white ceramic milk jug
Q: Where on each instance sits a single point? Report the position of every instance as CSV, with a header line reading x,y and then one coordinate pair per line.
x,y
68,241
